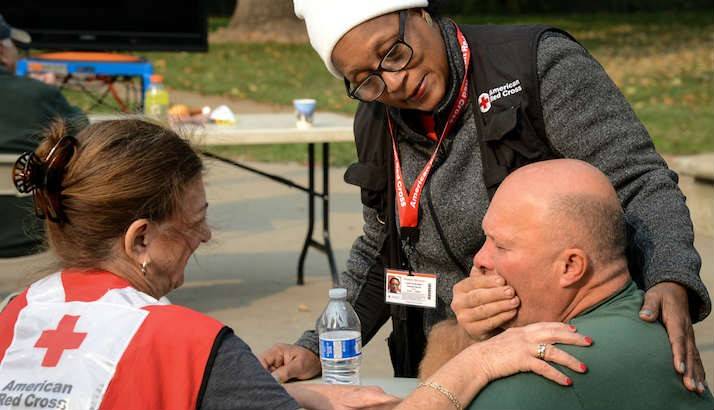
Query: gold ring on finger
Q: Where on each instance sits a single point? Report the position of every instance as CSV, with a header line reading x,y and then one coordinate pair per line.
x,y
540,353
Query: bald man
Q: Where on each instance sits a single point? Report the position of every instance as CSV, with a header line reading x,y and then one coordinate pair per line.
x,y
555,232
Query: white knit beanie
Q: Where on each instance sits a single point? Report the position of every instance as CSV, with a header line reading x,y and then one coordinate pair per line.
x,y
328,20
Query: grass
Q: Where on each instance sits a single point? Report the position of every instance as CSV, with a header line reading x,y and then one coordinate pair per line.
x,y
663,63
269,73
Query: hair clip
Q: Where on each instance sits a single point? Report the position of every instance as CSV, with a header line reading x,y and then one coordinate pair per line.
x,y
44,178
28,173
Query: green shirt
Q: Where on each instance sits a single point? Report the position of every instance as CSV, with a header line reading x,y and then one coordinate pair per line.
x,y
26,108
629,367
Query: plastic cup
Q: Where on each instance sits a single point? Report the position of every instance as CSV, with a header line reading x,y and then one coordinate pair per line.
x,y
305,112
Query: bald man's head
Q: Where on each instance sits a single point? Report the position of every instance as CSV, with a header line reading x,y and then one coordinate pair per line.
x,y
552,227
557,177
578,204
591,223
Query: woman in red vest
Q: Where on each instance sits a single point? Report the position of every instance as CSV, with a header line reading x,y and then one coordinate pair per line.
x,y
125,208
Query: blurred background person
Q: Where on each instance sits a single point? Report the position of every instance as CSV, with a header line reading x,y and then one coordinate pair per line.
x,y
26,107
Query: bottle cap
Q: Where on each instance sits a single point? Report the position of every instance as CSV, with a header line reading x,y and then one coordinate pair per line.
x,y
157,78
338,293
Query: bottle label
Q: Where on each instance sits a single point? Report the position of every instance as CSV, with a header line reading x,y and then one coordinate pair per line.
x,y
340,349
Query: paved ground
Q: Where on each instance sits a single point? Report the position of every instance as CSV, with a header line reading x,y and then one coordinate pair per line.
x,y
246,275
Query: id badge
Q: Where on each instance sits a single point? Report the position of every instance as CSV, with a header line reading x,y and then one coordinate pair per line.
x,y
418,289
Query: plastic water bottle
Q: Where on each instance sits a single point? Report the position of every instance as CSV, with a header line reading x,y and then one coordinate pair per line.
x,y
340,336
156,99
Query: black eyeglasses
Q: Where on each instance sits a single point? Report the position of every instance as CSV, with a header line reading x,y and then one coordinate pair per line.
x,y
396,59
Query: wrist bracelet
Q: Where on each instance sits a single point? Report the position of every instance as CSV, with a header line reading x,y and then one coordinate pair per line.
x,y
441,389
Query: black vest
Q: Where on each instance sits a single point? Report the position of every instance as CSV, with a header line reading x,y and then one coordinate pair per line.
x,y
505,95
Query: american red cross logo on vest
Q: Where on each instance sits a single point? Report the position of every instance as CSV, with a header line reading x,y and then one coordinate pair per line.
x,y
484,102
56,341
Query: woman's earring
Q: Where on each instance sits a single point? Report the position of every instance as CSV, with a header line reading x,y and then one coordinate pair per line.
x,y
427,17
143,267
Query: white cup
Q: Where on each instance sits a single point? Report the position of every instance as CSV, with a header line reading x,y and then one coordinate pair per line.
x,y
305,112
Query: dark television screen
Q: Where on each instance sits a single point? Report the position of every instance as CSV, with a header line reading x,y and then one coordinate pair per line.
x,y
110,24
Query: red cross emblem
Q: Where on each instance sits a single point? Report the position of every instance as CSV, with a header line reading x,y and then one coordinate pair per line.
x,y
484,102
58,340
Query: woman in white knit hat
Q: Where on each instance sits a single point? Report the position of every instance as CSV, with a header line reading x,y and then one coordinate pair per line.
x,y
446,113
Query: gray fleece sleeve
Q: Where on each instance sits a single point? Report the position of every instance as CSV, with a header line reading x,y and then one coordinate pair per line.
x,y
586,117
362,262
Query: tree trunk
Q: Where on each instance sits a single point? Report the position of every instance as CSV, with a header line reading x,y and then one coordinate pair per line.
x,y
256,12
263,21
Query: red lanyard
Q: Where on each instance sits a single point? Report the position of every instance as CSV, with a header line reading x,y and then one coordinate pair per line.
x,y
408,203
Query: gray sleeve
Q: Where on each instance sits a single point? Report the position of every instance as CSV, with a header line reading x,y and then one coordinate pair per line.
x,y
363,261
586,117
238,381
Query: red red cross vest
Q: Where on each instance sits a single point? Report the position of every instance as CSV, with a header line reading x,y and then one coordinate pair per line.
x,y
88,340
